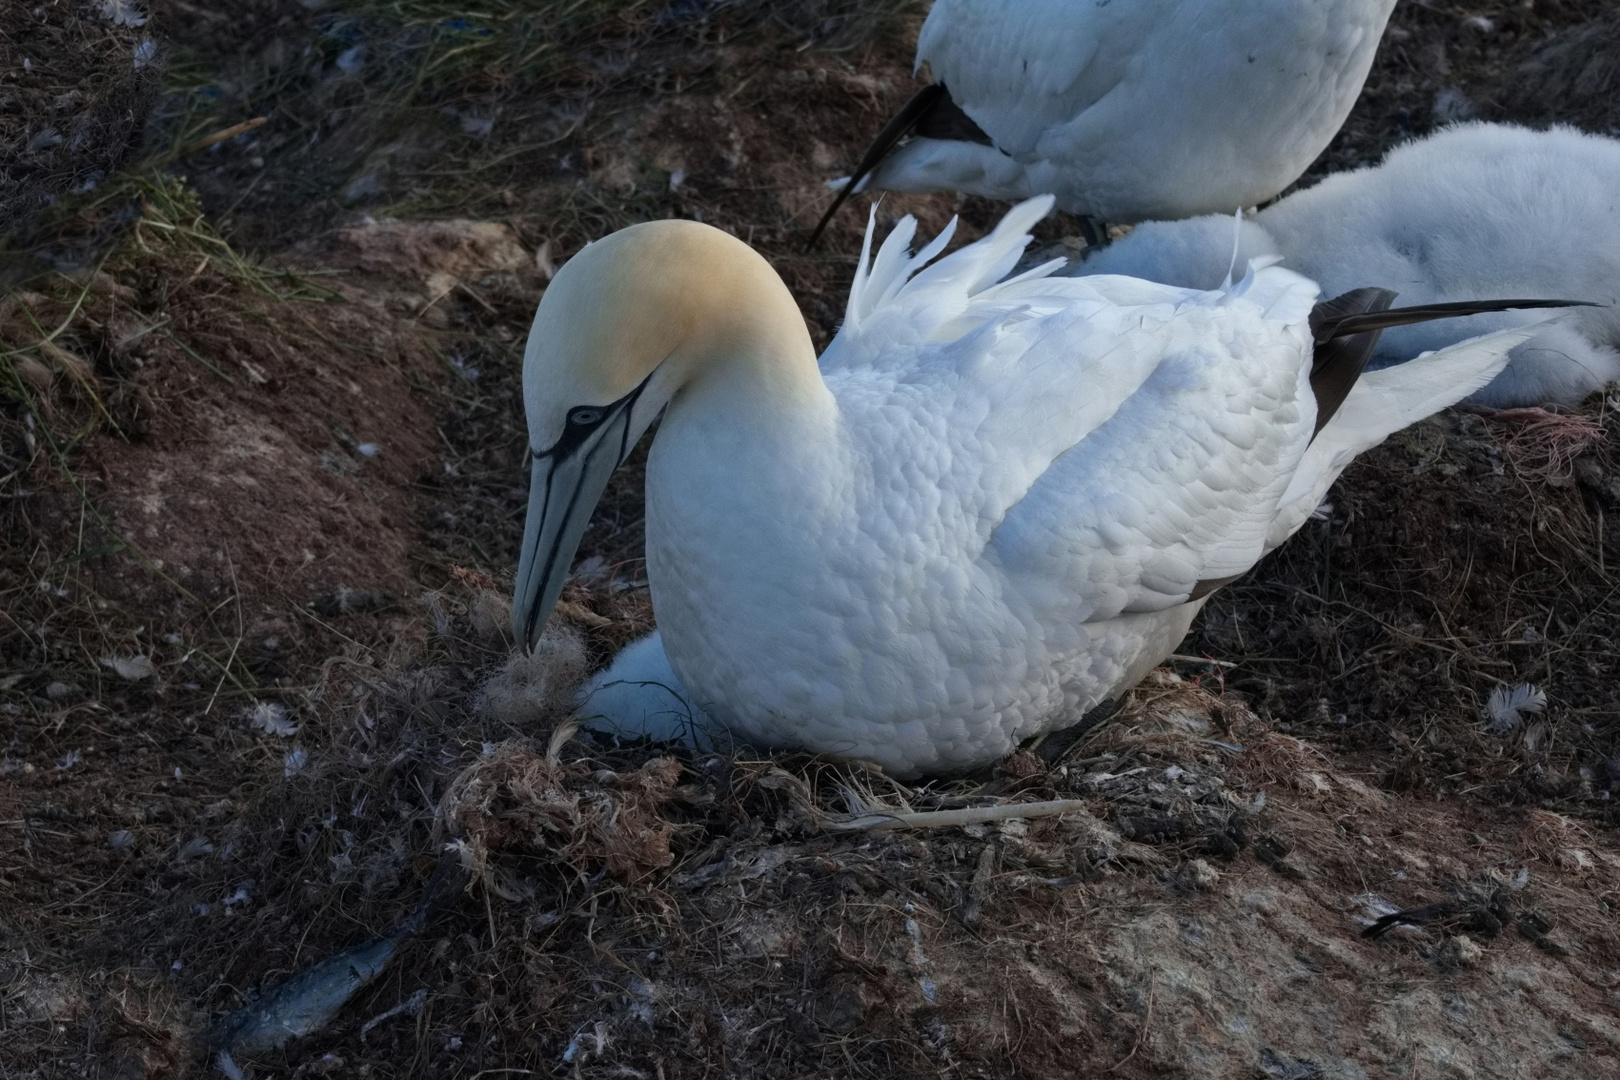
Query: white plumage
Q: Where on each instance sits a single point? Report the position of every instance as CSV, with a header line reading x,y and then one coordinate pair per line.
x,y
1136,109
1475,210
988,510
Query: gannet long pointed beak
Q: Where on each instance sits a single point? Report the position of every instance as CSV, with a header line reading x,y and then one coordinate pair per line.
x,y
566,482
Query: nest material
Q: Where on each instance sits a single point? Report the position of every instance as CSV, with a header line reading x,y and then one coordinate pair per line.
x,y
518,802
1544,445
536,685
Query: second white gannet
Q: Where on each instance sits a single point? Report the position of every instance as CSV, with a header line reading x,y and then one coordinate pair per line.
x,y
1130,109
1474,210
992,505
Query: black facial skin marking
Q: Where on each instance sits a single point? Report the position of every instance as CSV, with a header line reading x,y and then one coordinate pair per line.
x,y
583,422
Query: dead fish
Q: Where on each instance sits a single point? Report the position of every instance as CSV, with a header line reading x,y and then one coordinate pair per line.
x,y
304,1003
307,1002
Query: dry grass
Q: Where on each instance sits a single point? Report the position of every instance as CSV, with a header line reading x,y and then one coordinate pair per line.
x,y
1467,553
1545,446
75,88
417,106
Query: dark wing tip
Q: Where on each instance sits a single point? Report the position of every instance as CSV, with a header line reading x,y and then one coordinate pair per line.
x,y
815,234
1339,358
911,114
1346,330
1358,323
1327,315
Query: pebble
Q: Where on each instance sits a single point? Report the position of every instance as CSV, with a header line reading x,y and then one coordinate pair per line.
x,y
1198,874
1460,952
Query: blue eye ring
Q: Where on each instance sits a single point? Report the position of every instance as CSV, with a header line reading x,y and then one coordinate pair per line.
x,y
585,415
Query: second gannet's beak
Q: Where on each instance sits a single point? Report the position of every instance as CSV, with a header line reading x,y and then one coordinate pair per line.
x,y
566,481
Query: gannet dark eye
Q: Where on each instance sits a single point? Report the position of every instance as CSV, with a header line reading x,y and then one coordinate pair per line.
x,y
584,416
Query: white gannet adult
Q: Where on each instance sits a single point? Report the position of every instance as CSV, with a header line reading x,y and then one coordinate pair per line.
x,y
1130,109
1474,210
993,504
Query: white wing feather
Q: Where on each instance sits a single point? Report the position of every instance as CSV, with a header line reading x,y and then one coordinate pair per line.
x,y
1123,439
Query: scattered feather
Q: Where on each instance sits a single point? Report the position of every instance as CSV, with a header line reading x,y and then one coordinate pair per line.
x,y
270,717
195,848
587,1043
294,763
121,12
1374,906
1506,709
1535,736
45,136
133,668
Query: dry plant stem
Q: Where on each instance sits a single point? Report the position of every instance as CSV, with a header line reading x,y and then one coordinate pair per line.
x,y
1205,661
220,136
933,819
1141,1032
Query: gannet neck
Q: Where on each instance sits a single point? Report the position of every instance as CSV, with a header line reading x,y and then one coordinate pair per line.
x,y
668,312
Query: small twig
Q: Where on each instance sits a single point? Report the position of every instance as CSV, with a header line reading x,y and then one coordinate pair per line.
x,y
1141,1031
932,819
470,291
1209,661
220,136
188,351
225,672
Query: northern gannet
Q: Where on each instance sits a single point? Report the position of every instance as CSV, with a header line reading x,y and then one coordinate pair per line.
x,y
1126,110
1475,210
991,506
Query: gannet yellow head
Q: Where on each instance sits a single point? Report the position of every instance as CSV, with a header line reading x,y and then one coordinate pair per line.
x,y
626,324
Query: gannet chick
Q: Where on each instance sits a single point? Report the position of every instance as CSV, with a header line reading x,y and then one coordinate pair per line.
x,y
1130,110
993,505
639,696
1474,210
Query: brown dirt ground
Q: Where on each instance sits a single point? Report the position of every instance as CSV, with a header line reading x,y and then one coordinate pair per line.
x,y
163,858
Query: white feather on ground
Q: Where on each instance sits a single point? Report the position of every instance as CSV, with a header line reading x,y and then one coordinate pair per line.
x,y
1475,212
1507,707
